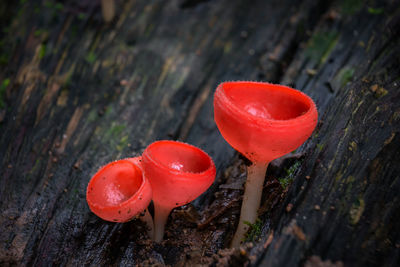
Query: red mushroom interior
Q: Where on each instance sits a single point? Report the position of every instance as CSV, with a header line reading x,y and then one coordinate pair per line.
x,y
180,157
113,186
274,103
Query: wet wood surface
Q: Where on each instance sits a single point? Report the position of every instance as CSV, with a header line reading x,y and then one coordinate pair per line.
x,y
76,93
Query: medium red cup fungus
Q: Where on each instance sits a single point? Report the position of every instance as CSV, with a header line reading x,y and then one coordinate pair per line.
x,y
118,192
263,121
178,173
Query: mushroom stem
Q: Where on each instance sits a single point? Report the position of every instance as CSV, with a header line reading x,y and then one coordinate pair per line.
x,y
160,219
146,218
251,200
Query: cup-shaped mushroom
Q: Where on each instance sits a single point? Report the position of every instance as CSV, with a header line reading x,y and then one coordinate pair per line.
x,y
118,192
263,121
178,173
137,161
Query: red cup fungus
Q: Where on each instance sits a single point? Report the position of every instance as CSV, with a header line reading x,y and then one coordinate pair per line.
x,y
178,173
118,192
263,121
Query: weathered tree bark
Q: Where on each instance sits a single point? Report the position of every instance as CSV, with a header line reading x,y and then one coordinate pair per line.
x,y
76,93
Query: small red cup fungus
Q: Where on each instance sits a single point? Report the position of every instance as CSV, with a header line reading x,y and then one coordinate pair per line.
x,y
263,121
178,173
118,192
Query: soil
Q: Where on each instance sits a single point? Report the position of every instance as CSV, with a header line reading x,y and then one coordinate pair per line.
x,y
201,237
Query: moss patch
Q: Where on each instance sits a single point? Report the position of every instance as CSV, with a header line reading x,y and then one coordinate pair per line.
x,y
123,142
42,51
254,232
115,130
375,11
350,7
320,147
3,88
91,57
288,179
357,210
4,52
321,45
345,75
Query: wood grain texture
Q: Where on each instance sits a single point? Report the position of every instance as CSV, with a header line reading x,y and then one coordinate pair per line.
x,y
77,93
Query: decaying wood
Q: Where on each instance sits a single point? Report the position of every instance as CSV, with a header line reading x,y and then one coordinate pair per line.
x,y
76,93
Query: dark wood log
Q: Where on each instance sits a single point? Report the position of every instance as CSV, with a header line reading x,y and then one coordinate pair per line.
x,y
76,93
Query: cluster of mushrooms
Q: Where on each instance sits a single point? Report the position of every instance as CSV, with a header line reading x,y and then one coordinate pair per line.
x,y
262,121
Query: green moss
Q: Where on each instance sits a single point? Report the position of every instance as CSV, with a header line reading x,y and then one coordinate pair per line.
x,y
81,16
36,9
92,115
357,210
3,88
321,45
346,75
380,92
123,142
20,12
39,32
350,7
108,110
285,182
353,146
338,176
59,6
320,147
288,179
56,6
254,232
115,137
227,47
42,51
375,11
4,54
329,49
35,167
115,130
351,179
48,4
293,168
91,57
149,30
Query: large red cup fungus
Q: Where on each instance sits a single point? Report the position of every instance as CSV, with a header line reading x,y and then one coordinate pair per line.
x,y
263,121
119,192
178,173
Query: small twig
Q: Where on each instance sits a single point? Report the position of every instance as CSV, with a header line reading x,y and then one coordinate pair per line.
x,y
269,240
218,213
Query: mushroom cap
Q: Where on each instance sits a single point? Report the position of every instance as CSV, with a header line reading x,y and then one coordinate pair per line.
x,y
118,191
137,161
178,172
263,121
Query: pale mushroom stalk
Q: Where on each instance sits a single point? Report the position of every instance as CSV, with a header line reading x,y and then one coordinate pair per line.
x,y
251,200
146,218
160,220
